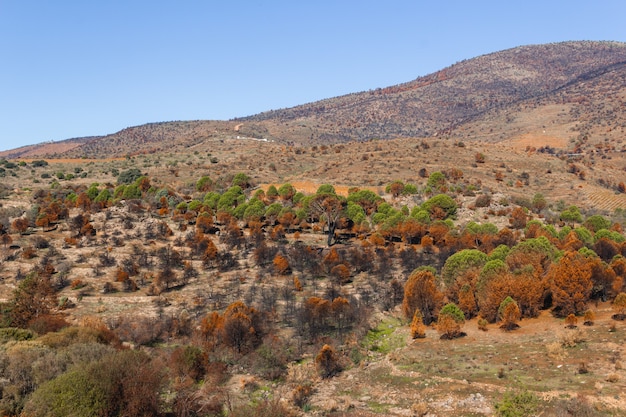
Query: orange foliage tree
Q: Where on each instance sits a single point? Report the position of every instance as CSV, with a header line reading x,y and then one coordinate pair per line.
x,y
571,284
421,293
418,330
242,327
449,322
281,264
327,362
509,314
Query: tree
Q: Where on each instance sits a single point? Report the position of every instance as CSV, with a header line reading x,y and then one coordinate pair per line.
x,y
204,184
570,321
571,284
341,311
450,320
539,202
20,225
33,298
129,176
6,239
281,264
327,207
518,218
286,191
327,362
395,188
418,330
460,262
441,206
241,326
571,215
421,294
509,314
241,180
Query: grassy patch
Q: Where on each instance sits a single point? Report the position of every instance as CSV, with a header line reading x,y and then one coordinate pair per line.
x,y
384,338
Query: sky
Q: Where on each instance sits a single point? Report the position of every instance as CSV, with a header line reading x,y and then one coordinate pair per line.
x,y
85,68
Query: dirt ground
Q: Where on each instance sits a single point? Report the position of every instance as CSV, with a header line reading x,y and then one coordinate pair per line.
x,y
467,376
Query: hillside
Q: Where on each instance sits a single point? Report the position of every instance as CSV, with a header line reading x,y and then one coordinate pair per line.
x,y
454,245
568,87
469,91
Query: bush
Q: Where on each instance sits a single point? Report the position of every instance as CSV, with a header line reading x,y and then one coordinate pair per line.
x,y
483,200
121,383
327,362
519,404
14,334
129,176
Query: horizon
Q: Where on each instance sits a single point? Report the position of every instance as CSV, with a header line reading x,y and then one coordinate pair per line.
x,y
81,70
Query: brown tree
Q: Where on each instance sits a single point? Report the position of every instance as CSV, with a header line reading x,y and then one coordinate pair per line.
x,y
20,225
418,330
211,328
6,239
421,293
327,362
340,274
242,328
518,218
509,314
32,299
571,284
281,265
570,321
341,312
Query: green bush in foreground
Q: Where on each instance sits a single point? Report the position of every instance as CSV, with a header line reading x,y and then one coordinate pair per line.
x,y
517,404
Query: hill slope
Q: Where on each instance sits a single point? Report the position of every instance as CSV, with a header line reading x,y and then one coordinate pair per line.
x,y
499,96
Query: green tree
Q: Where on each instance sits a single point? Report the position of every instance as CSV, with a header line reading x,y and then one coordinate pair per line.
x,y
597,222
441,206
204,184
460,262
286,191
572,215
539,202
436,179
325,189
129,176
450,320
242,180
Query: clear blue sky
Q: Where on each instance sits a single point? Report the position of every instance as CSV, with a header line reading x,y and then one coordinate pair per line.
x,y
83,68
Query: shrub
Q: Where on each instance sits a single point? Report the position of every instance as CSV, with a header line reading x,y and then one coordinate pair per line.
x,y
327,362
418,330
519,404
301,395
129,176
483,200
121,383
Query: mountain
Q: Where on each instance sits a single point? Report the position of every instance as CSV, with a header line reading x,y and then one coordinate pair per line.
x,y
467,92
568,87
